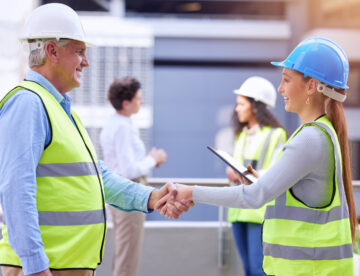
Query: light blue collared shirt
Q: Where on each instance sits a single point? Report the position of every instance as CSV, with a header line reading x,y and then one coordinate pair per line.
x,y
24,132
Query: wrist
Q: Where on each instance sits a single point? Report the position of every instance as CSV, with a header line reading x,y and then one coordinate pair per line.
x,y
189,192
151,201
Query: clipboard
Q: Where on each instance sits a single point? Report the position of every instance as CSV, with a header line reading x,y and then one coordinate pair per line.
x,y
236,165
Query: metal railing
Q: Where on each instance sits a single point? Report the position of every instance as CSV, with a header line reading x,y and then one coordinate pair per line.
x,y
159,181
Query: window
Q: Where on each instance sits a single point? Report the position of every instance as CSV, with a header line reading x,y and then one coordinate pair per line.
x,y
353,95
83,5
335,13
238,9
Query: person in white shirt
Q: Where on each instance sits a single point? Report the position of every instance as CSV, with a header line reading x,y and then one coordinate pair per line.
x,y
125,154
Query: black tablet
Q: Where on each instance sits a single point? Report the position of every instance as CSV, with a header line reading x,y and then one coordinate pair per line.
x,y
228,159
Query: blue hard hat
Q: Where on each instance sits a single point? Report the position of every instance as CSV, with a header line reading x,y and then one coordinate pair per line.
x,y
321,59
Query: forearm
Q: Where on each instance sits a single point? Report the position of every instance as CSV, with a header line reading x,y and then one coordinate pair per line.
x,y
220,196
292,166
123,193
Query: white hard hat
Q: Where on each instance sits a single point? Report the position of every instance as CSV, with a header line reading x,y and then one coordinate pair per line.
x,y
259,89
54,21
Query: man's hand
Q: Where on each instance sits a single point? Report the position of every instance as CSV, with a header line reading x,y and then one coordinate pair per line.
x,y
183,201
165,195
169,189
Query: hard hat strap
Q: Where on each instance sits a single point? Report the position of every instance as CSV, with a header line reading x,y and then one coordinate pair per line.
x,y
330,92
37,44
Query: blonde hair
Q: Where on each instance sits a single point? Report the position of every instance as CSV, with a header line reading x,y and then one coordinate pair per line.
x,y
336,115
335,112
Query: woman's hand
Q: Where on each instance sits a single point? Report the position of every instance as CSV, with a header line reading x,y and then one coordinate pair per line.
x,y
232,175
250,170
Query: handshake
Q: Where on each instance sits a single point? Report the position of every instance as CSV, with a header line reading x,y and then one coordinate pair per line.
x,y
172,200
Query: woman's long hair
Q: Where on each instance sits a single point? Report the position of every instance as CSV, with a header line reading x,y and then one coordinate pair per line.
x,y
335,112
262,115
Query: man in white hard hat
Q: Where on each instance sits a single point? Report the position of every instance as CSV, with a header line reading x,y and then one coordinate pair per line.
x,y
53,189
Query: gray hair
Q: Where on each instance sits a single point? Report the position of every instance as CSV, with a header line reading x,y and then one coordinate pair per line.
x,y
37,56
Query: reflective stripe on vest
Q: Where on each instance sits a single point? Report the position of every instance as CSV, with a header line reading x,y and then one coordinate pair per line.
x,y
267,139
264,150
308,253
69,196
66,169
316,241
71,218
281,211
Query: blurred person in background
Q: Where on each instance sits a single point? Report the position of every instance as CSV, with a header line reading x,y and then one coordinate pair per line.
x,y
259,138
124,153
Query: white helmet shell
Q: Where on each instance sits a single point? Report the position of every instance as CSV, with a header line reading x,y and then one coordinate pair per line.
x,y
54,21
259,89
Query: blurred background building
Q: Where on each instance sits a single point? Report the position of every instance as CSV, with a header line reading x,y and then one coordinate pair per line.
x,y
190,56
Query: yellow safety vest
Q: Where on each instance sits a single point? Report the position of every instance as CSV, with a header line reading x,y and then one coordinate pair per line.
x,y
69,196
300,240
265,144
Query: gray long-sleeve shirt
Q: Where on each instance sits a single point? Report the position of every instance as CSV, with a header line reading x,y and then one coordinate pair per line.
x,y
306,165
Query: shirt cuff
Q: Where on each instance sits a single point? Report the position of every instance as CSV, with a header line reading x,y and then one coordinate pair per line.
x,y
150,161
35,263
147,194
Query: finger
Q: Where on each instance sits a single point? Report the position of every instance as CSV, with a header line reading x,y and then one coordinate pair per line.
x,y
172,190
186,204
181,207
243,180
252,170
163,211
173,211
161,202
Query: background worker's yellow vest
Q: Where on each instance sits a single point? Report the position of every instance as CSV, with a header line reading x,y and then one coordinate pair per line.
x,y
300,240
265,144
70,197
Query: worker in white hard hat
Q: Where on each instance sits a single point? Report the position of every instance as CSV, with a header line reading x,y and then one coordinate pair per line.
x,y
53,188
259,137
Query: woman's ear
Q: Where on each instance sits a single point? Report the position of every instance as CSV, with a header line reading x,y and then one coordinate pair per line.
x,y
312,85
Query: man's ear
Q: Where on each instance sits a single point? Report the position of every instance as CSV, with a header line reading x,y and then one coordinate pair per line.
x,y
312,85
51,50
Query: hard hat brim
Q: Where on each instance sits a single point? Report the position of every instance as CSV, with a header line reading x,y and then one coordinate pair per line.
x,y
90,44
87,43
278,63
284,65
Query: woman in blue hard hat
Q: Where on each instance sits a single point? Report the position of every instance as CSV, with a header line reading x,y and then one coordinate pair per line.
x,y
309,228
259,137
